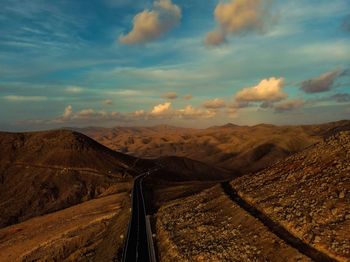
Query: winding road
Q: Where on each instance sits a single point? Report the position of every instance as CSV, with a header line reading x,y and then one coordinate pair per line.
x,y
139,243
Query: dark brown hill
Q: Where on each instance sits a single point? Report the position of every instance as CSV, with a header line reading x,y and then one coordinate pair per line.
x,y
181,169
42,172
60,148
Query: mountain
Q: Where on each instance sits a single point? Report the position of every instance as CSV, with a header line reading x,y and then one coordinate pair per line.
x,y
42,172
240,149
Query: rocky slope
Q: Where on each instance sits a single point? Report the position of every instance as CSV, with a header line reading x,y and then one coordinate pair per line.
x,y
308,194
296,210
209,226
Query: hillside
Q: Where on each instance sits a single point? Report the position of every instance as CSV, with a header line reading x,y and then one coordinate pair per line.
x,y
295,210
308,194
42,172
241,149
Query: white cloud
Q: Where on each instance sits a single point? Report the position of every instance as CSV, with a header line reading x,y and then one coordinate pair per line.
x,y
239,16
190,112
68,112
161,109
14,98
149,25
139,113
214,103
74,89
268,90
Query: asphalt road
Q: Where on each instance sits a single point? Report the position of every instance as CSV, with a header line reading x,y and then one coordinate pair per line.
x,y
139,244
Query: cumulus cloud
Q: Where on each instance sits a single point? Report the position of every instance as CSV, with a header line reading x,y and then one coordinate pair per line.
x,y
74,89
322,83
161,109
289,105
268,90
216,103
190,112
68,112
149,25
139,113
238,17
170,95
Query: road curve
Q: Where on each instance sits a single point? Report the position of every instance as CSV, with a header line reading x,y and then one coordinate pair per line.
x,y
139,243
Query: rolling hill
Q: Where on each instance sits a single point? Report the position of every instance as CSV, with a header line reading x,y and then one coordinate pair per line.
x,y
240,149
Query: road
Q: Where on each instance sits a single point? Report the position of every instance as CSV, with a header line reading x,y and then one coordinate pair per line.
x,y
139,243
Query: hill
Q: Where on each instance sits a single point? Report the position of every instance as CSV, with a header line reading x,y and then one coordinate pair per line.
x,y
241,149
42,172
296,210
308,194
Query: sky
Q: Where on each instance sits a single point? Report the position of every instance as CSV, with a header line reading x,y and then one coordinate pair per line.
x,y
190,63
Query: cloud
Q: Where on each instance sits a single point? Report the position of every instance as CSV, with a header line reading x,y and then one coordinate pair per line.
x,y
214,103
289,105
170,95
215,38
161,109
239,17
74,89
108,102
139,113
322,83
68,112
87,114
14,98
189,112
149,25
268,90
188,96
340,97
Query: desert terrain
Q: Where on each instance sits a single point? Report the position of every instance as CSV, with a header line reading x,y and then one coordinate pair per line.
x,y
65,197
235,148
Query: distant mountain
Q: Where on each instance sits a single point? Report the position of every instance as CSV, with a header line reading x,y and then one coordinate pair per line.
x,y
241,149
42,172
308,194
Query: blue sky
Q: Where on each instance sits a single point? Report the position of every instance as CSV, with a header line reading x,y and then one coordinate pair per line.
x,y
92,63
